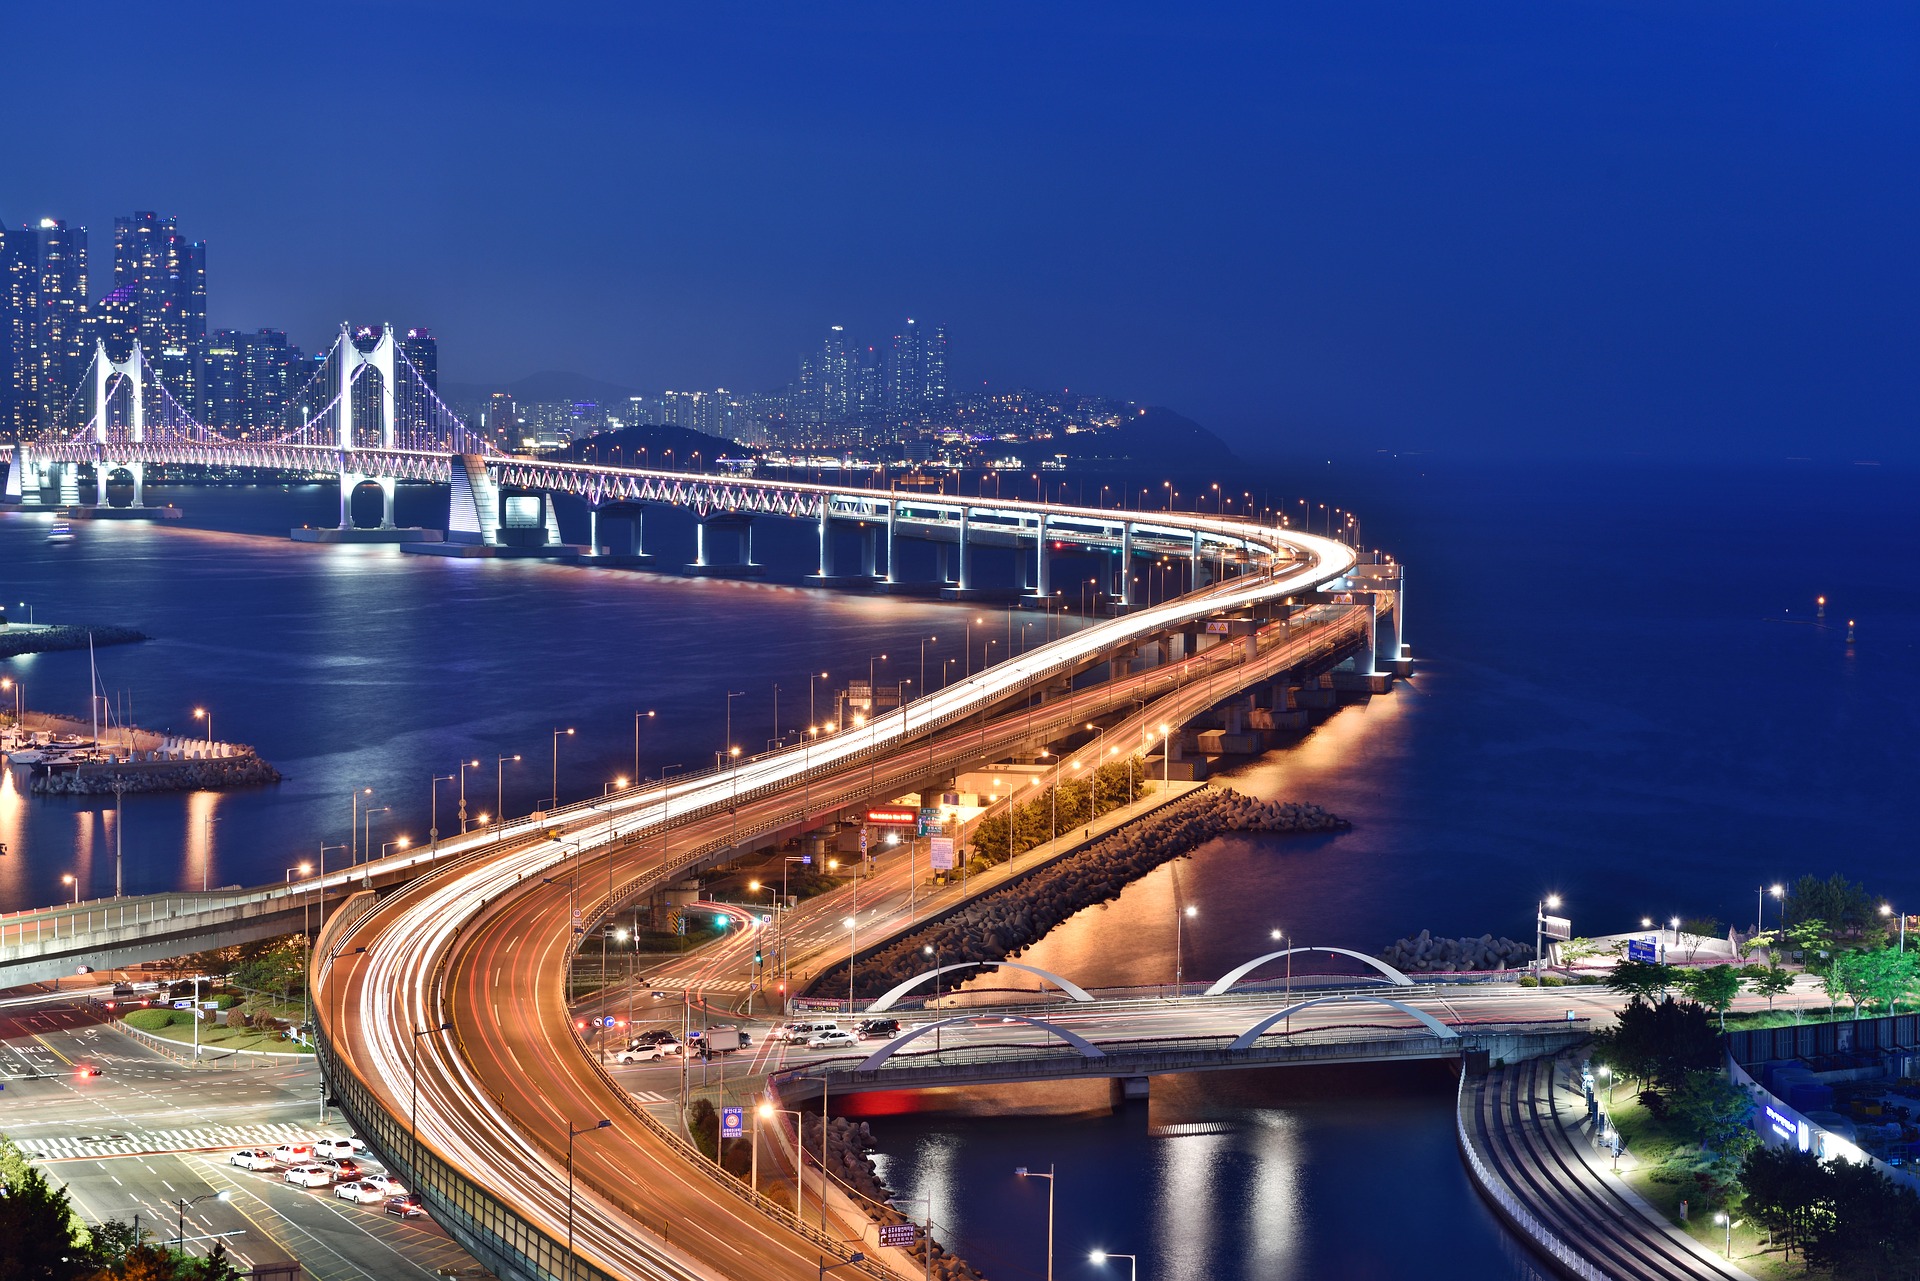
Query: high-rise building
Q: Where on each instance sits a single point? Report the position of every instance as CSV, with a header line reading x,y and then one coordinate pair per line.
x,y
423,353
905,372
933,381
501,419
833,379
19,314
225,398
162,278
65,334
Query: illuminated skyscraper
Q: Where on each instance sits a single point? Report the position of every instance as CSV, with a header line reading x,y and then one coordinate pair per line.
x,y
164,279
19,355
64,339
832,375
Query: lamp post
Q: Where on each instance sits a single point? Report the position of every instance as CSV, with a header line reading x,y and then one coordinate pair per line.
x,y
812,711
1133,1263
922,687
1180,917
1025,1173
767,1112
1779,893
573,1134
637,718
1724,1220
1886,909
555,799
187,1203
413,1090
926,1230
68,878
366,834
202,714
731,695
500,785
1551,901
353,828
853,933
433,825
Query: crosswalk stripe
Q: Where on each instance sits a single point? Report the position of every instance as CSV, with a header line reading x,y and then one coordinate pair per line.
x,y
264,1134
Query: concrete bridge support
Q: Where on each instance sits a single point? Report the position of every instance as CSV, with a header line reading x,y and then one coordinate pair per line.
x,y
1125,594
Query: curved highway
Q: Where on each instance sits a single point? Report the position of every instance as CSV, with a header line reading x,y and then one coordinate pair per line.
x,y
480,946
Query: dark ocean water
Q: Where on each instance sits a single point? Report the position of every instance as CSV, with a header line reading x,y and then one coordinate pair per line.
x,y
1623,696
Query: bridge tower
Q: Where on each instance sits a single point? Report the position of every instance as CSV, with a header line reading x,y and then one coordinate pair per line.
x,y
134,369
348,360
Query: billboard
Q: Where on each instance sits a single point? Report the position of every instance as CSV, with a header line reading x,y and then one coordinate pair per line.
x,y
1556,927
942,847
894,816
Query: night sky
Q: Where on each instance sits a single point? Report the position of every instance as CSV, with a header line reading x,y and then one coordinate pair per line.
x,y
1536,227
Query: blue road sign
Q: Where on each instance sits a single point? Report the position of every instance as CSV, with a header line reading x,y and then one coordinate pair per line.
x,y
733,1122
1641,950
606,1021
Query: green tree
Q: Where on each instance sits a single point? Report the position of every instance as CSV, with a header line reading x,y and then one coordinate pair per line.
x,y
1852,974
1768,981
1660,1043
703,1126
1887,975
1867,1226
1714,987
1642,980
1813,939
1842,905
1785,1191
44,1239
1715,1113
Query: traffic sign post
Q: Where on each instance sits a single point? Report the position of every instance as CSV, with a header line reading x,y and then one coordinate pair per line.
x,y
899,1236
733,1123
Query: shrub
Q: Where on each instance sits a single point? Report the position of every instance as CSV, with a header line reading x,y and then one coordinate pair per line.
x,y
149,1020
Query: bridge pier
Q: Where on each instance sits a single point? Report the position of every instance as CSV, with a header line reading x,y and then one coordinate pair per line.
x,y
742,527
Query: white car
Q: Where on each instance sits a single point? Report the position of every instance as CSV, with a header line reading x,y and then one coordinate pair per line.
x,y
293,1154
838,1038
385,1184
253,1159
648,1053
308,1176
361,1192
338,1147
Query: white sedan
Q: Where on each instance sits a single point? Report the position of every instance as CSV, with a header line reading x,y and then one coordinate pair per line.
x,y
838,1039
360,1192
309,1176
253,1159
386,1183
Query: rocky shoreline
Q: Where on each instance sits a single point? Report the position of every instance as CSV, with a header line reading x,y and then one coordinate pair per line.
x,y
999,924
848,1143
1423,954
164,776
45,640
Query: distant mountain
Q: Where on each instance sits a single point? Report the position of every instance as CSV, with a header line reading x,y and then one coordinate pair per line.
x,y
1156,438
655,440
548,387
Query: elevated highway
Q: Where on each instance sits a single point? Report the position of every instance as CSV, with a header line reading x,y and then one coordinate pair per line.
x,y
479,946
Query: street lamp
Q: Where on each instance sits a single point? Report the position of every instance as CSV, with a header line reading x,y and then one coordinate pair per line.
x,y
573,1134
413,1092
1724,1220
1025,1173
1133,1262
1779,892
555,799
1886,909
1550,903
202,714
433,823
353,829
853,933
637,717
1179,921
500,785
68,878
187,1203
731,695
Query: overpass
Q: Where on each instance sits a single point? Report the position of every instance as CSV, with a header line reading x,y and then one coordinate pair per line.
x,y
439,984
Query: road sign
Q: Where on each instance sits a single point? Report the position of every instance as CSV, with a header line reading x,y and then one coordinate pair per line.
x,y
806,860
606,1020
899,1236
930,824
1556,927
1642,950
733,1122
942,853
894,816
863,840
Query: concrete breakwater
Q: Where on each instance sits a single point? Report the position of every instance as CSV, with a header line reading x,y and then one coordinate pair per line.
x,y
997,925
1424,953
22,639
205,774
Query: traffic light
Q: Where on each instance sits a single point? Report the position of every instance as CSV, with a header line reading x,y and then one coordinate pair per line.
x,y
756,958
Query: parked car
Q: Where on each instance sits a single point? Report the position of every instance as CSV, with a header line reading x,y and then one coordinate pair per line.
x,y
653,1036
385,1184
253,1159
837,1039
405,1207
648,1053
878,1029
346,1168
293,1153
308,1176
359,1192
338,1147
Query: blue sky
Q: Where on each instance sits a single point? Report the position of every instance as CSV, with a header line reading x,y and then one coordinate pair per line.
x,y
1539,227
